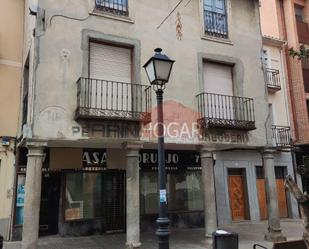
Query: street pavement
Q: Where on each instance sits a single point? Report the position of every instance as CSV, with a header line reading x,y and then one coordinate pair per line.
x,y
249,234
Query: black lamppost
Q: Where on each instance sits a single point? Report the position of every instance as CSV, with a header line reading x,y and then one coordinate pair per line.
x,y
158,69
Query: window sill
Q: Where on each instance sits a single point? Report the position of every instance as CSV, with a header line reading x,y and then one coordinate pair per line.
x,y
216,39
126,19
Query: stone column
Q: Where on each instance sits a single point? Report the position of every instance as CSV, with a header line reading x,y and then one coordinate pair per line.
x,y
210,209
274,230
133,195
33,195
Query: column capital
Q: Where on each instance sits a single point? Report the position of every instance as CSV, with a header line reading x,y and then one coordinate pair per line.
x,y
137,145
206,151
268,153
35,148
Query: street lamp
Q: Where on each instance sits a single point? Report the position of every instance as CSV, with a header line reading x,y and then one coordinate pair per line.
x,y
158,69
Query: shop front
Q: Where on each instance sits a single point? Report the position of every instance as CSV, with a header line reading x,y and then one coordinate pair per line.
x,y
84,191
184,189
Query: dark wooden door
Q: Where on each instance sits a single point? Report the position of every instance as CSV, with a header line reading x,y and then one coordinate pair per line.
x,y
114,201
237,197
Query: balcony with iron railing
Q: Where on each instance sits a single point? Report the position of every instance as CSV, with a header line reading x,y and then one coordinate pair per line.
x,y
282,136
272,78
118,7
110,100
303,31
226,112
215,24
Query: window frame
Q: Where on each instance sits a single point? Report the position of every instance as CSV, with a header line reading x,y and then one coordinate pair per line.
x,y
129,18
112,10
215,35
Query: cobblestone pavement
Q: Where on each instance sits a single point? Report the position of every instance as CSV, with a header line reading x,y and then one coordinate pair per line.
x,y
249,234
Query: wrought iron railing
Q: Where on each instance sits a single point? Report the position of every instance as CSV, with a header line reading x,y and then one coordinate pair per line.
x,y
119,7
272,78
215,24
112,100
224,111
282,136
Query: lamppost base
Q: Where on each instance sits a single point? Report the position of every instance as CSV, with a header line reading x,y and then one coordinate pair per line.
x,y
163,233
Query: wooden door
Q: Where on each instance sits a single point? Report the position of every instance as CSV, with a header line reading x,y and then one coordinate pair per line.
x,y
283,209
260,183
237,197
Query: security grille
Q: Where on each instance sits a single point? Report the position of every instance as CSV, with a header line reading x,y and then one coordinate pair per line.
x,y
114,201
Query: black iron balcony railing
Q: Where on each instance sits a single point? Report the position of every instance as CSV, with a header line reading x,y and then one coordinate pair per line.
x,y
282,136
112,100
272,78
119,7
215,24
224,111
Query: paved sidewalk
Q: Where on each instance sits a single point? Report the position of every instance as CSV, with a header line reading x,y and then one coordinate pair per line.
x,y
249,233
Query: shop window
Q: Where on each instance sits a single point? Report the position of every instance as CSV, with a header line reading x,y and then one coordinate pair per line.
x,y
184,190
83,194
20,199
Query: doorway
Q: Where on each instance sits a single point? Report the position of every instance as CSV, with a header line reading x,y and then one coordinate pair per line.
x,y
238,200
114,200
49,210
280,173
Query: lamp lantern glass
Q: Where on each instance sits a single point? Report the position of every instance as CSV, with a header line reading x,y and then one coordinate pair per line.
x,y
158,68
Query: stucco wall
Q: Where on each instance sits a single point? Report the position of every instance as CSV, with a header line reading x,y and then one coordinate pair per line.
x,y
7,159
11,32
57,74
279,98
269,18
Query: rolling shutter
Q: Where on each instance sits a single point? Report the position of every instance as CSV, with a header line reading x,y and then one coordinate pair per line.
x,y
110,63
110,72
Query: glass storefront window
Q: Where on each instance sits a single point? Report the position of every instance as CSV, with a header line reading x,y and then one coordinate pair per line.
x,y
20,199
184,189
83,196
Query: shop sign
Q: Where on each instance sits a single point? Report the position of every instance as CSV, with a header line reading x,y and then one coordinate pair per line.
x,y
174,160
226,137
109,129
94,159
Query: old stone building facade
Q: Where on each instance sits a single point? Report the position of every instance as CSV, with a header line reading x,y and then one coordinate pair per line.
x,y
88,147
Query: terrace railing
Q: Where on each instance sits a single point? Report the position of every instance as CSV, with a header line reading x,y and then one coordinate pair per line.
x,y
272,78
104,99
225,111
215,24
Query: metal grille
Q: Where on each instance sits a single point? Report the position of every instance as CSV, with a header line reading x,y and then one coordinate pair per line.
x,y
224,111
259,172
280,172
114,201
119,7
215,24
272,78
112,100
282,136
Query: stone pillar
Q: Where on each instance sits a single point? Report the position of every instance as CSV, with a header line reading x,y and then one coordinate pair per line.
x,y
274,230
210,209
33,195
133,195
